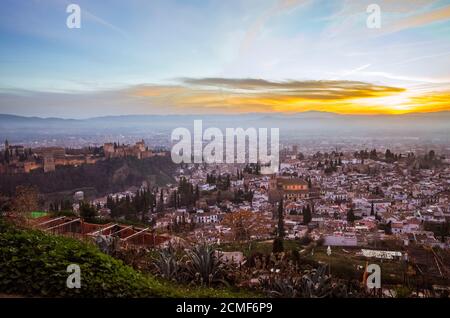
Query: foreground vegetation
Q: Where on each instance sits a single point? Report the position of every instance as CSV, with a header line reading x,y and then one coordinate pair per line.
x,y
34,263
344,264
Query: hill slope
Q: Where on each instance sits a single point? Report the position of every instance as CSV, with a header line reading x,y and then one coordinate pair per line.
x,y
34,263
105,176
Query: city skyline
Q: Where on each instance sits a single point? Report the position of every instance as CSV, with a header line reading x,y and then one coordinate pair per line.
x,y
216,57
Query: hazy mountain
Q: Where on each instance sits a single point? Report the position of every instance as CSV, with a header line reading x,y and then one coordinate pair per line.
x,y
297,124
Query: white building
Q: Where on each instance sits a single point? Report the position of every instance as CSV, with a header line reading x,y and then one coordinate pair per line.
x,y
206,218
341,239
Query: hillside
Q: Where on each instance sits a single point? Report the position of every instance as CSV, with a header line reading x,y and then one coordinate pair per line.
x,y
34,263
104,176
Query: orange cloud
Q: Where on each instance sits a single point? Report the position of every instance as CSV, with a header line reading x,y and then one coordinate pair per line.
x,y
157,90
432,102
225,95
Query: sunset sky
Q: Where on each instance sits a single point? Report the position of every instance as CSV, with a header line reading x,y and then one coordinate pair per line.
x,y
217,56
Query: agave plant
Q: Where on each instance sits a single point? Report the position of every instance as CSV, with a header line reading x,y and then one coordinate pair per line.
x,y
203,265
167,264
280,287
313,283
317,284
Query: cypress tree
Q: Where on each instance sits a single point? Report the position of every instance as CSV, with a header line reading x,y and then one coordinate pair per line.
x,y
307,215
278,245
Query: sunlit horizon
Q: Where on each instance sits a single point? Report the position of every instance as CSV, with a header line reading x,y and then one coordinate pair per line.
x,y
224,57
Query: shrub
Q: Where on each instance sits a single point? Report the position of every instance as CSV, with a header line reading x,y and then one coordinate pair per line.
x,y
278,245
402,292
305,240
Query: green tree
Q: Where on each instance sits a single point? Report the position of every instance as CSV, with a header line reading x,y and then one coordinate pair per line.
x,y
351,216
278,243
388,228
307,216
161,201
87,211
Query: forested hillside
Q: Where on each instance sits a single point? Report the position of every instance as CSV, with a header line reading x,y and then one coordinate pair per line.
x,y
104,176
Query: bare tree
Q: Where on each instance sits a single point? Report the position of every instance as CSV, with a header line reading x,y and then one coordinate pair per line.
x,y
25,200
244,224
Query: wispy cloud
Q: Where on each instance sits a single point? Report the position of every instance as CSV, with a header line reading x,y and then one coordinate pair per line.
x,y
434,80
301,89
280,7
352,71
92,17
419,58
437,15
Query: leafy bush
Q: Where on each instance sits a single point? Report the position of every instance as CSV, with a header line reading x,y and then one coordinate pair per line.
x,y
305,240
278,245
402,292
34,263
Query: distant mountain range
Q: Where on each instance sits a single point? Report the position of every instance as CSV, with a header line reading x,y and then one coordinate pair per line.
x,y
307,123
307,114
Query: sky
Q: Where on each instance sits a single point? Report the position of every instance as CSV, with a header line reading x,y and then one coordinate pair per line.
x,y
223,57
